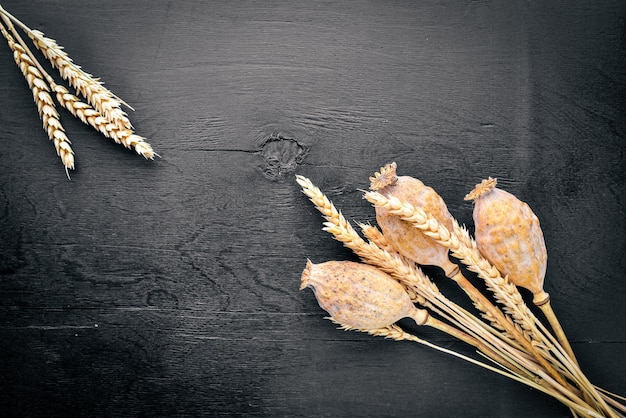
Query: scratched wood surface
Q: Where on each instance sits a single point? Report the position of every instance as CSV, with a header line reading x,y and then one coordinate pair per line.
x,y
170,287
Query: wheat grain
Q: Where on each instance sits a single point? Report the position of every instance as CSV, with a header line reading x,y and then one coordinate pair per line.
x,y
393,332
45,104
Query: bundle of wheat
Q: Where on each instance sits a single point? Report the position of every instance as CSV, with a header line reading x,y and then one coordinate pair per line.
x,y
413,217
102,111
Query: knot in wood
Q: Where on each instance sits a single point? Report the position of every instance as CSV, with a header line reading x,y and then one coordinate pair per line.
x,y
282,155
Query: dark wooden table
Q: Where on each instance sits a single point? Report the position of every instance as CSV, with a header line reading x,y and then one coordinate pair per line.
x,y
170,288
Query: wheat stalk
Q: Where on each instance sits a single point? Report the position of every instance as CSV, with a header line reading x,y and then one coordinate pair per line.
x,y
45,104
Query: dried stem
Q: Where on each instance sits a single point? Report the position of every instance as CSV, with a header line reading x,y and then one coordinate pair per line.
x,y
396,333
546,308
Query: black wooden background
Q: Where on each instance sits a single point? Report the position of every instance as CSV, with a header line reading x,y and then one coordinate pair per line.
x,y
170,287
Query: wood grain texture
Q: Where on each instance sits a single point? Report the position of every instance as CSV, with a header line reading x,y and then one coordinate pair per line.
x,y
170,288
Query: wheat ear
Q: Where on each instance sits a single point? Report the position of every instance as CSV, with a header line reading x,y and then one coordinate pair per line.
x,y
92,89
45,104
90,116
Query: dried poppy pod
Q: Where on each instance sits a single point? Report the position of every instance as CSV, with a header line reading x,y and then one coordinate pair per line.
x,y
508,234
406,239
359,295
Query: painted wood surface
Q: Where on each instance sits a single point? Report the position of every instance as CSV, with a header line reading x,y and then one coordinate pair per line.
x,y
170,288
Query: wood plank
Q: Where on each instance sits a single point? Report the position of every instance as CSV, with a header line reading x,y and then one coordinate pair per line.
x,y
170,288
